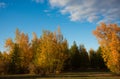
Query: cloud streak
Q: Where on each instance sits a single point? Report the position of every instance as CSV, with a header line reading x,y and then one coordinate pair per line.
x,y
2,5
89,10
38,1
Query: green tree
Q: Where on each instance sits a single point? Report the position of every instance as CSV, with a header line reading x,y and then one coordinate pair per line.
x,y
75,56
84,58
66,56
93,58
100,61
15,60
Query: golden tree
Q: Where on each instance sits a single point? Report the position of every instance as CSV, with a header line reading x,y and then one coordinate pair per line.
x,y
22,50
109,39
51,52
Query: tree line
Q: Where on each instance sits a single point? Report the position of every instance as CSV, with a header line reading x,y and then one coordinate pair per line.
x,y
50,53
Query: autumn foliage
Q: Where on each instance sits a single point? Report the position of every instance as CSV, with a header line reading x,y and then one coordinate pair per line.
x,y
109,39
46,54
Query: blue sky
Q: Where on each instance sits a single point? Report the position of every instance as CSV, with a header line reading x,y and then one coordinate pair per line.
x,y
76,18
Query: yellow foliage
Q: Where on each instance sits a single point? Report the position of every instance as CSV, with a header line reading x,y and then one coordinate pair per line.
x,y
109,38
52,51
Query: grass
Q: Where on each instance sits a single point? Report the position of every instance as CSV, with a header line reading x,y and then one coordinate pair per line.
x,y
67,75
84,78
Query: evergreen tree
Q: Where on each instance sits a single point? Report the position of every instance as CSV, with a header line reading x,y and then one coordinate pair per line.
x,y
84,59
100,61
14,65
93,58
75,56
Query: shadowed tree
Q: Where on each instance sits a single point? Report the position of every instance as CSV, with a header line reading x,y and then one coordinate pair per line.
x,y
75,56
100,61
5,62
1,63
14,65
84,59
93,58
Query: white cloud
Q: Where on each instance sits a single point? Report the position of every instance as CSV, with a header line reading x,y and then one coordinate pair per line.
x,y
93,18
58,2
89,10
39,1
2,5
